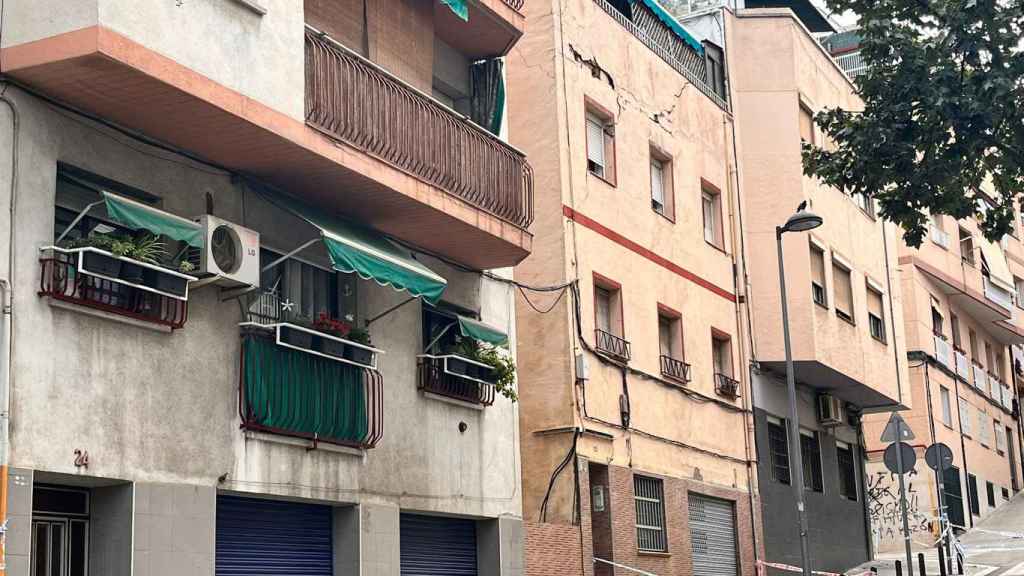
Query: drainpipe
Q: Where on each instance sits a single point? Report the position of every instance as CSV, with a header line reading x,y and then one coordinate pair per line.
x,y
1020,428
6,337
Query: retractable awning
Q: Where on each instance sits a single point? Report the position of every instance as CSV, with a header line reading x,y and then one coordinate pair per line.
x,y
459,7
471,328
998,269
139,216
673,24
357,249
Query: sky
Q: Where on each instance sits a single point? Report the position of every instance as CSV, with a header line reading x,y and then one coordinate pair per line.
x,y
845,20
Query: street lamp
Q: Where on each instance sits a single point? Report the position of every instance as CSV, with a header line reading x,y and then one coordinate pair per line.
x,y
802,221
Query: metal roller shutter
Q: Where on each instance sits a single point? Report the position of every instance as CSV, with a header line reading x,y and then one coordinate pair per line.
x,y
712,536
436,546
269,537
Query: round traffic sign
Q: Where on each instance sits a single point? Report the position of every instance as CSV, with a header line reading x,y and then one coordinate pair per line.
x,y
939,457
892,462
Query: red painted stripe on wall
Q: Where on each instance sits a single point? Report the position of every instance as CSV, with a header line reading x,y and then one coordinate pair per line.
x,y
633,246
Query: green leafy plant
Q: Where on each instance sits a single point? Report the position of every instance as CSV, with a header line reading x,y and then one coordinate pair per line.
x,y
500,361
186,267
147,249
359,336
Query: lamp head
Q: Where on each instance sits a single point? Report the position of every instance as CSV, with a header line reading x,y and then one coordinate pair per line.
x,y
802,221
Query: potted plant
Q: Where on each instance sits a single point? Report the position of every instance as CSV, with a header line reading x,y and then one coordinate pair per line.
x,y
147,249
502,373
465,349
338,328
355,353
97,262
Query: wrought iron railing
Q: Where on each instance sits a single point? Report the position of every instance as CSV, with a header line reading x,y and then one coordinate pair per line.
x,y
516,5
727,385
61,280
352,100
612,345
432,377
675,369
852,63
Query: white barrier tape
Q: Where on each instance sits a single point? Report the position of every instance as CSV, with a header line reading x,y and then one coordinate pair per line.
x,y
761,565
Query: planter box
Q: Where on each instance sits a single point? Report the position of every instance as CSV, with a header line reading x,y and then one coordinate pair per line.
x,y
132,273
297,338
359,355
329,347
460,366
163,282
101,264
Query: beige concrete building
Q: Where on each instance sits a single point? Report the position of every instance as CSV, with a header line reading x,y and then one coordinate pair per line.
x,y
634,394
319,173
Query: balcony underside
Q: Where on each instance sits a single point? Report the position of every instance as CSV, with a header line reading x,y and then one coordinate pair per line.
x,y
104,73
828,380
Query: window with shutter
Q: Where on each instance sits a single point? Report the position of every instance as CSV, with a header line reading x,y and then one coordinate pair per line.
x,y
947,411
603,304
711,205
658,185
965,417
983,429
818,276
876,315
595,145
843,291
806,125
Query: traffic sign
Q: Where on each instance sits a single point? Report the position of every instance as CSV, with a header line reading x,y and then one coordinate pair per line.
x,y
896,422
892,461
939,457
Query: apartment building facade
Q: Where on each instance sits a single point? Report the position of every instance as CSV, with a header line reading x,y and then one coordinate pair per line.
x,y
634,406
962,323
845,314
246,325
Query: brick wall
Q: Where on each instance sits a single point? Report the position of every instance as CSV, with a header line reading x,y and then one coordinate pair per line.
x,y
553,549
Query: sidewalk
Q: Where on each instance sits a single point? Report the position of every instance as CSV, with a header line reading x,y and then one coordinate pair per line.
x,y
885,564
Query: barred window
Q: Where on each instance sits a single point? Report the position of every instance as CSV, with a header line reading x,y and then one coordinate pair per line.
x,y
811,453
778,451
847,470
650,514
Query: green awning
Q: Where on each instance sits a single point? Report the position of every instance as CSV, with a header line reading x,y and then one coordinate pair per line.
x,y
668,20
138,216
366,252
471,328
459,7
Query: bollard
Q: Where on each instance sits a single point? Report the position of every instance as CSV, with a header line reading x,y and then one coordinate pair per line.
x,y
942,562
920,563
899,568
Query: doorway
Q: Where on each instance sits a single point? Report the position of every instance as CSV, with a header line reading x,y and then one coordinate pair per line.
x,y
954,496
1012,455
60,531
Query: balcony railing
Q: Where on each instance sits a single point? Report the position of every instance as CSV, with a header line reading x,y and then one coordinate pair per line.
x,y
995,387
980,380
612,345
516,5
1006,398
675,369
963,365
998,294
438,376
352,100
940,237
852,63
943,351
727,386
62,280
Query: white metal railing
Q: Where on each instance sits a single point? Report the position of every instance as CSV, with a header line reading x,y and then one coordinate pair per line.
x,y
852,63
980,379
1007,398
943,351
997,294
995,386
940,236
963,366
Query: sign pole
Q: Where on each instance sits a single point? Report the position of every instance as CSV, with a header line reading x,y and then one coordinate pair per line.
x,y
903,496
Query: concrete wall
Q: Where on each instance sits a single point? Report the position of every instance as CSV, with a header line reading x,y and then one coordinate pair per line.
x,y
153,407
175,527
110,531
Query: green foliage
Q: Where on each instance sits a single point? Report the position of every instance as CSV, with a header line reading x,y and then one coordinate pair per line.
x,y
147,248
943,110
186,267
498,359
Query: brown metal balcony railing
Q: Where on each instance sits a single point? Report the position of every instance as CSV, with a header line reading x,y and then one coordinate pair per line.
x,y
516,5
675,369
434,378
352,100
612,345
61,280
727,386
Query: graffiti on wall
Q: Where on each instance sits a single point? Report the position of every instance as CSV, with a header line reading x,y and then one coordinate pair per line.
x,y
883,489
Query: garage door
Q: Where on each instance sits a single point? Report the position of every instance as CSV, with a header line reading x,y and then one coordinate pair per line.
x,y
268,537
712,536
436,546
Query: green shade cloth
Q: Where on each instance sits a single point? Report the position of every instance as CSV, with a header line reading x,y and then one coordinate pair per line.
x,y
366,252
138,216
668,20
471,328
459,7
291,391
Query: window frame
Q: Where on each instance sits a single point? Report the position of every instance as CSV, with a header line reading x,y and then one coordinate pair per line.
x,y
616,318
660,508
720,338
946,407
594,110
810,457
848,316
852,477
675,318
872,318
968,257
814,248
990,493
668,205
805,110
778,459
711,194
973,498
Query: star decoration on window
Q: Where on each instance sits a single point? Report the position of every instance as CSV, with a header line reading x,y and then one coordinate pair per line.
x,y
287,305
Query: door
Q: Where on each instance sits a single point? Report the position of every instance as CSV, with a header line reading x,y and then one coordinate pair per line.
x,y
954,495
59,546
437,546
1012,455
273,538
712,536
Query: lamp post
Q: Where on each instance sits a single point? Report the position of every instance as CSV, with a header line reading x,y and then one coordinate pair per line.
x,y
802,221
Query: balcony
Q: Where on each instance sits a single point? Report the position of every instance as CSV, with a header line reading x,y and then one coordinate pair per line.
x,y
611,345
727,386
675,369
943,351
963,365
373,149
998,295
939,236
455,377
852,63
67,278
980,379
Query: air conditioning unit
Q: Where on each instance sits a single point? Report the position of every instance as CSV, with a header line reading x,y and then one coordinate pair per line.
x,y
830,410
231,253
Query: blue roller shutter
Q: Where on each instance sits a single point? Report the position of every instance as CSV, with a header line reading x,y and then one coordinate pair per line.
x,y
436,546
273,538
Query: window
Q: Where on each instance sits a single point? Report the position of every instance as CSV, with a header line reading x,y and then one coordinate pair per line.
x,y
966,246
440,327
662,196
983,429
308,288
866,205
721,353
778,450
954,325
947,411
650,514
711,203
1018,286
876,322
1006,493
806,125
818,276
1000,437
847,470
715,68
938,231
608,306
972,338
810,453
670,333
990,491
600,145
843,287
965,417
972,494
